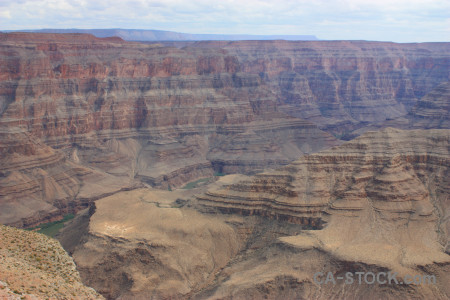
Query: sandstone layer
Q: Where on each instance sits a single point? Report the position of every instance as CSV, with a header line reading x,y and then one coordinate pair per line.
x,y
400,176
34,266
39,184
432,111
378,203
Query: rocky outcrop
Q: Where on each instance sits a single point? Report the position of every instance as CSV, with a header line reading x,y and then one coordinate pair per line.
x,y
34,266
376,204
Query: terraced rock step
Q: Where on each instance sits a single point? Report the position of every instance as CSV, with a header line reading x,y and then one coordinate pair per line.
x,y
386,171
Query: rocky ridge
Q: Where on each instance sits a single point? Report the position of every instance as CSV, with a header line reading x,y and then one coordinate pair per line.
x,y
377,203
143,244
387,171
33,266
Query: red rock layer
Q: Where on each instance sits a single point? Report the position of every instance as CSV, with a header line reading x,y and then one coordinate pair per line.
x,y
167,115
339,85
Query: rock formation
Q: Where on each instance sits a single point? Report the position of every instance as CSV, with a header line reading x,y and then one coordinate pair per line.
x,y
159,115
85,118
378,203
38,183
430,112
340,85
34,266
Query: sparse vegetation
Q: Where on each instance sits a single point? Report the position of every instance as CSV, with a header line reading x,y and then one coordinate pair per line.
x,y
36,264
52,228
194,184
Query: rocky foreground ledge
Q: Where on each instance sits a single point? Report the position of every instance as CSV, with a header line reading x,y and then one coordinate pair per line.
x,y
34,266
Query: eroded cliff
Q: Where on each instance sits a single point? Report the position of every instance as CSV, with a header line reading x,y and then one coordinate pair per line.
x,y
131,112
343,85
134,112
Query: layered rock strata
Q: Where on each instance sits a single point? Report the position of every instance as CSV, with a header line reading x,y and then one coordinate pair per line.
x,y
39,184
384,200
163,116
376,204
343,85
432,111
401,175
167,115
395,181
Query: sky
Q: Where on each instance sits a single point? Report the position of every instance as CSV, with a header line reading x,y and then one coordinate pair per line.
x,y
380,20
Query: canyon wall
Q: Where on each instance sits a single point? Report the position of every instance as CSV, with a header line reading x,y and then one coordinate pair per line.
x,y
343,85
134,113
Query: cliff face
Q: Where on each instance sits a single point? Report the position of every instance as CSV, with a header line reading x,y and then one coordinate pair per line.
x,y
126,111
343,85
60,86
39,184
165,116
387,168
432,110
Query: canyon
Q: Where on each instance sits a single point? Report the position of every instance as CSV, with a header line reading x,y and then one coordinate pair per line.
x,y
130,114
335,156
378,203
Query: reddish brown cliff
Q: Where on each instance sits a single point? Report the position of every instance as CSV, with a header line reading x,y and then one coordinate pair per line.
x,y
165,115
161,115
342,85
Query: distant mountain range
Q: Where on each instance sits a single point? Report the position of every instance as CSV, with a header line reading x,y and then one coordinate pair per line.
x,y
161,35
